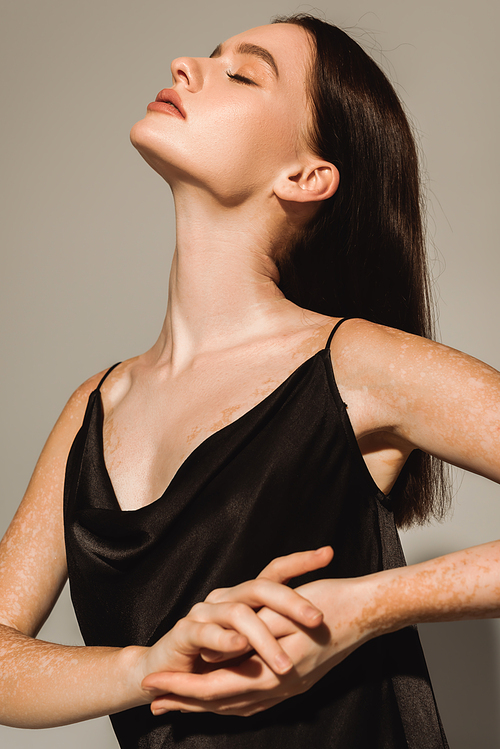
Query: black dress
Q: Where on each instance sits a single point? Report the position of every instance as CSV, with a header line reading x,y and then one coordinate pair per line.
x,y
286,476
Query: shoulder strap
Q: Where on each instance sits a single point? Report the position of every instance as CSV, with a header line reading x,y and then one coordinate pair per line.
x,y
337,326
106,374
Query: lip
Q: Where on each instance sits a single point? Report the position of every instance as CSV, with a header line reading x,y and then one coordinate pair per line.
x,y
169,102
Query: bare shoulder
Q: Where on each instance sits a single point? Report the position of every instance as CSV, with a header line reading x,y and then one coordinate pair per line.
x,y
74,410
421,393
369,355
53,457
116,382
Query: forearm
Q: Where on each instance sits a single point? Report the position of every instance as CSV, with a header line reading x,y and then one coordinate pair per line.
x,y
44,685
461,585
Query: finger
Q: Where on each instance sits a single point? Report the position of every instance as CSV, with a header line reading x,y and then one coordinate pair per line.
x,y
283,569
217,656
220,684
246,696
250,706
190,637
279,626
263,592
242,618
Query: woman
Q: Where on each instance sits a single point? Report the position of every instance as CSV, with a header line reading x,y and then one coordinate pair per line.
x,y
286,137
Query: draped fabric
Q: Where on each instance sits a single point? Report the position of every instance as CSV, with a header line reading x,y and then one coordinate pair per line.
x,y
286,476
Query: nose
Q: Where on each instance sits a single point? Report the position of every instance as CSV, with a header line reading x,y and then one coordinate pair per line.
x,y
188,71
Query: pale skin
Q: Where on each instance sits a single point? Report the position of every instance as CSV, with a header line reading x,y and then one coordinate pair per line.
x,y
242,178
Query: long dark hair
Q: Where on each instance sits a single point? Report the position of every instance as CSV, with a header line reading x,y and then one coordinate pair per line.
x,y
363,254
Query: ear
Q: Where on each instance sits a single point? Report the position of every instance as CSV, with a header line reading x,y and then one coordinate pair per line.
x,y
315,181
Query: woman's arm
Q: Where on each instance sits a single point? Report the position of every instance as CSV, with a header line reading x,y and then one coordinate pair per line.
x,y
405,392
43,684
462,585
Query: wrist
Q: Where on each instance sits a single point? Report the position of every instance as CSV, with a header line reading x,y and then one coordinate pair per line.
x,y
134,669
374,611
387,605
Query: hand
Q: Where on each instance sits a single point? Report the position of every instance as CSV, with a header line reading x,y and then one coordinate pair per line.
x,y
251,686
226,625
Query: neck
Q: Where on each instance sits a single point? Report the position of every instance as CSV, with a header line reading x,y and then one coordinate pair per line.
x,y
222,288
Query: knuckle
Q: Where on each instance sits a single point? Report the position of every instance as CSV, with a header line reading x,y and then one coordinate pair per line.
x,y
196,611
237,610
216,595
273,568
180,626
273,565
284,558
261,584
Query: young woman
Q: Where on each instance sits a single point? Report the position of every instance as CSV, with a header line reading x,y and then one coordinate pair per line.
x,y
290,405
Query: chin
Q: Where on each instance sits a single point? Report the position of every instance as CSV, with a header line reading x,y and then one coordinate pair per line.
x,y
145,140
139,133
153,149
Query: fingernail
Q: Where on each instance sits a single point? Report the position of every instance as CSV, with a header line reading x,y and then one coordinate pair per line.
x,y
312,613
283,662
159,710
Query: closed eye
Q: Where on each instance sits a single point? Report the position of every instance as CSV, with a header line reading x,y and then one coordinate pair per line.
x,y
240,78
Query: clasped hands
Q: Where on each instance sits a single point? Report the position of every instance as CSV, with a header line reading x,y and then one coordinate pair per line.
x,y
244,649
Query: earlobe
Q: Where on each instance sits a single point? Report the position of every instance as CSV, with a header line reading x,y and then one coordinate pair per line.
x,y
316,181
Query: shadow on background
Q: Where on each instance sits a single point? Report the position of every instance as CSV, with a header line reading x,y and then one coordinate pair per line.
x,y
463,661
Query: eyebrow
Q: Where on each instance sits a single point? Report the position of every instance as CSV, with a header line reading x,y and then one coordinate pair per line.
x,y
245,48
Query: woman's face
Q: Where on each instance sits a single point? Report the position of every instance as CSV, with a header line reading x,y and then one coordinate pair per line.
x,y
244,114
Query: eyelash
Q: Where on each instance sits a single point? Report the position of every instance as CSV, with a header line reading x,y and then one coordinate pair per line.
x,y
240,78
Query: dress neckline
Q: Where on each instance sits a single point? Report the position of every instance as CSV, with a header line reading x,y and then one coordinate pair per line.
x,y
211,437
325,355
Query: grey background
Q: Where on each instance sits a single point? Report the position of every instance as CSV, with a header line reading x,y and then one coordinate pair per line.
x,y
87,233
